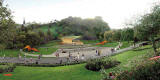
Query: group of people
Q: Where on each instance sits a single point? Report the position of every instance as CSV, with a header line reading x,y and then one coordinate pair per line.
x,y
116,48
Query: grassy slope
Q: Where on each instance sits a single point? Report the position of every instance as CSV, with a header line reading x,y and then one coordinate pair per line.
x,y
51,44
45,51
73,72
109,44
9,53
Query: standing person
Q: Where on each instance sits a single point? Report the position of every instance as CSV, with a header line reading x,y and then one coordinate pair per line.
x,y
60,61
70,56
19,56
96,52
78,56
31,60
4,56
24,57
39,57
112,50
99,52
58,55
82,56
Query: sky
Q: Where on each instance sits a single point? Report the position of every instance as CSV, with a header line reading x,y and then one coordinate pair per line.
x,y
115,12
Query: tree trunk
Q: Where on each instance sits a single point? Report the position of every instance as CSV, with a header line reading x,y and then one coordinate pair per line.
x,y
154,45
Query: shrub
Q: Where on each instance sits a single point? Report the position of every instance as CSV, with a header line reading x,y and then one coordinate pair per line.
x,y
7,68
98,64
149,70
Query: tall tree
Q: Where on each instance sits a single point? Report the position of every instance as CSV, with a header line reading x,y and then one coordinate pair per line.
x,y
7,26
149,26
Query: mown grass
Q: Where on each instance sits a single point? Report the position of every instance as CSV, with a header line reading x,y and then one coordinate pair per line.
x,y
108,44
9,53
45,51
51,44
74,72
90,41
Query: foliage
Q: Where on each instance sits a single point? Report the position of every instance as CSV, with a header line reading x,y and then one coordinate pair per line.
x,y
98,64
126,34
148,70
7,68
73,72
7,26
148,26
85,27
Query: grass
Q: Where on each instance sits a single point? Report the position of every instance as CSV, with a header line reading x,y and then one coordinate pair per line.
x,y
45,29
90,41
109,44
9,53
45,51
126,44
51,44
126,57
73,72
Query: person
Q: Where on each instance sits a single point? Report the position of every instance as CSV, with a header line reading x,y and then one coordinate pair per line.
x,y
96,52
78,56
46,49
57,55
60,61
19,56
24,57
82,56
31,60
112,50
39,57
99,52
4,56
69,56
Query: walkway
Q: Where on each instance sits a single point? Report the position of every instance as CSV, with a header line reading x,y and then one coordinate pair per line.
x,y
89,53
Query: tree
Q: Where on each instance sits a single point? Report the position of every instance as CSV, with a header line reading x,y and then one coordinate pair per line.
x,y
108,35
7,26
127,34
149,26
49,34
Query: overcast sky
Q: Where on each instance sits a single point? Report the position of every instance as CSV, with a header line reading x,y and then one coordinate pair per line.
x,y
115,12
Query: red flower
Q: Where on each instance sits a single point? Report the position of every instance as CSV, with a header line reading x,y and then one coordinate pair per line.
x,y
7,74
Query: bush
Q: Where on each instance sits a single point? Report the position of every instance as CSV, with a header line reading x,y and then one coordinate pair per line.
x,y
98,64
149,70
7,68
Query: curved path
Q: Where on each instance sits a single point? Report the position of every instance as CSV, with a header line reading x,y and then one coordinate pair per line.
x,y
91,54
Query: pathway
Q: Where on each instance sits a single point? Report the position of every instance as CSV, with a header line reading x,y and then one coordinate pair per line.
x,y
89,53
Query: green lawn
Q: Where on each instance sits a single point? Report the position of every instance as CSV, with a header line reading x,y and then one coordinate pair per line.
x,y
51,44
94,42
73,72
109,44
90,41
44,51
9,53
